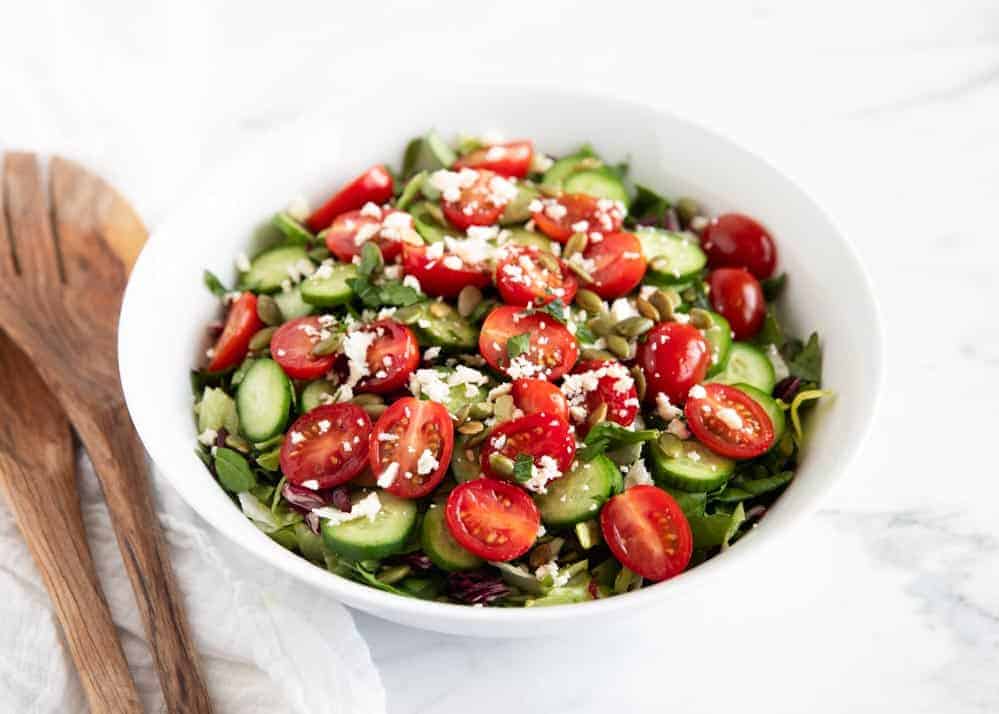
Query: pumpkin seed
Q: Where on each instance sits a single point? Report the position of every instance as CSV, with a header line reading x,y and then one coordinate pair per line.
x,y
462,414
476,439
320,254
646,309
639,376
660,264
327,347
435,212
374,410
575,244
701,319
597,415
545,552
686,209
394,574
589,301
619,346
468,299
268,310
262,339
481,410
440,309
580,273
634,326
550,262
550,191
503,408
671,445
665,301
689,295
362,399
471,427
591,353
238,443
502,465
601,325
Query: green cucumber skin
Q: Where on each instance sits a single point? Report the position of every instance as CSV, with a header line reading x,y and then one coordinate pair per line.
x,y
719,337
687,475
601,183
690,260
747,364
269,269
330,291
452,332
462,468
265,387
770,406
312,395
579,505
517,210
366,540
292,305
556,175
521,236
441,547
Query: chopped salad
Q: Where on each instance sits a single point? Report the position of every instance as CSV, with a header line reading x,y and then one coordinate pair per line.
x,y
496,378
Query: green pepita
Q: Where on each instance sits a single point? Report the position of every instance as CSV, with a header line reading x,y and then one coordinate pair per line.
x,y
362,399
634,326
601,325
471,427
646,309
501,464
575,244
550,262
374,410
468,299
481,410
545,552
639,376
268,310
660,264
440,309
589,301
503,407
580,273
327,347
686,208
476,439
619,346
262,339
701,319
394,574
591,353
597,415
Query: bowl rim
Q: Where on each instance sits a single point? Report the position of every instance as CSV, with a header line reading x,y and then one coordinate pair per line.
x,y
409,610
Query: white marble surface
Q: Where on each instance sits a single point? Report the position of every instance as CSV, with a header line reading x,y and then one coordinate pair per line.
x,y
888,599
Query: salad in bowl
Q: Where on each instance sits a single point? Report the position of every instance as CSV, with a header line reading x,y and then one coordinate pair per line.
x,y
499,378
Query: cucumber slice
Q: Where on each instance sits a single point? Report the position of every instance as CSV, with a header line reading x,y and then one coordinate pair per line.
x,y
461,395
602,183
271,268
520,236
770,406
441,547
517,210
555,177
719,337
291,229
438,324
216,410
694,467
579,494
364,539
682,255
263,401
328,285
426,223
746,364
442,153
314,395
464,461
291,304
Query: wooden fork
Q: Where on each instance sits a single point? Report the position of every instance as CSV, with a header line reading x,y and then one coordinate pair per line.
x,y
63,269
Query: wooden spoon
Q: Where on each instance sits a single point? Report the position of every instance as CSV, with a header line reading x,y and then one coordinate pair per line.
x,y
60,294
38,475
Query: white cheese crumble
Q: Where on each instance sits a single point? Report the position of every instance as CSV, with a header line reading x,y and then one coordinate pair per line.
x,y
730,417
638,475
368,507
541,475
242,263
431,353
387,477
451,183
208,437
426,463
355,347
780,366
550,570
312,484
697,392
665,409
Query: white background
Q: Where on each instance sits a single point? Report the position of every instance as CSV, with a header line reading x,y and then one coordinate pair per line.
x,y
888,112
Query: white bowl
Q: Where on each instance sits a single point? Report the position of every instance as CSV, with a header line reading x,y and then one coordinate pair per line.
x,y
166,308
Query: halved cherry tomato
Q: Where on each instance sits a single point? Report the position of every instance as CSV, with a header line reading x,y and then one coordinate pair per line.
x,y
510,159
738,241
526,277
615,389
481,203
493,519
674,357
291,347
738,296
374,185
534,396
241,324
729,422
414,438
645,529
351,230
536,435
392,357
444,276
618,264
551,352
328,445
572,213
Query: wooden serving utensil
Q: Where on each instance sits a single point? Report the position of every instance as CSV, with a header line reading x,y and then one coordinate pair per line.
x,y
38,475
61,285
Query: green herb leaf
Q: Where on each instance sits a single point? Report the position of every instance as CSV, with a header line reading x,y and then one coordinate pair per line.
x,y
773,287
523,467
234,473
390,293
771,333
807,364
584,334
518,345
371,260
692,504
214,284
648,205
740,489
610,435
716,529
556,308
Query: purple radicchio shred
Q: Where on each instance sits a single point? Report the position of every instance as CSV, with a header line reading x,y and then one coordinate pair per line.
x,y
215,328
220,436
755,513
340,497
303,499
648,221
670,220
476,587
418,561
312,521
787,389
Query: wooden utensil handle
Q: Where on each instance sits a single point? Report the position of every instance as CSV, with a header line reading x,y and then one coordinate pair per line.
x,y
114,447
52,525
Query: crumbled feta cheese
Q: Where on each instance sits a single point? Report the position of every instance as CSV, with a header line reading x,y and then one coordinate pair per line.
x,y
451,183
242,263
473,250
430,383
622,309
520,367
426,463
542,474
355,347
638,475
697,392
296,437
387,477
501,191
208,437
729,417
368,507
372,210
678,429
312,484
665,409
431,353
550,570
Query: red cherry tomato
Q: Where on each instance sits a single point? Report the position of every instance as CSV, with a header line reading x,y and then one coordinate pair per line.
x,y
510,159
572,213
618,264
522,278
737,295
552,350
536,435
735,240
493,519
328,446
414,439
392,357
645,529
350,231
291,347
729,422
535,396
443,276
481,203
615,388
674,358
241,324
374,185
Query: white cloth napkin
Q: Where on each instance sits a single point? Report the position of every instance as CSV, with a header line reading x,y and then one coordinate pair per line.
x,y
267,643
